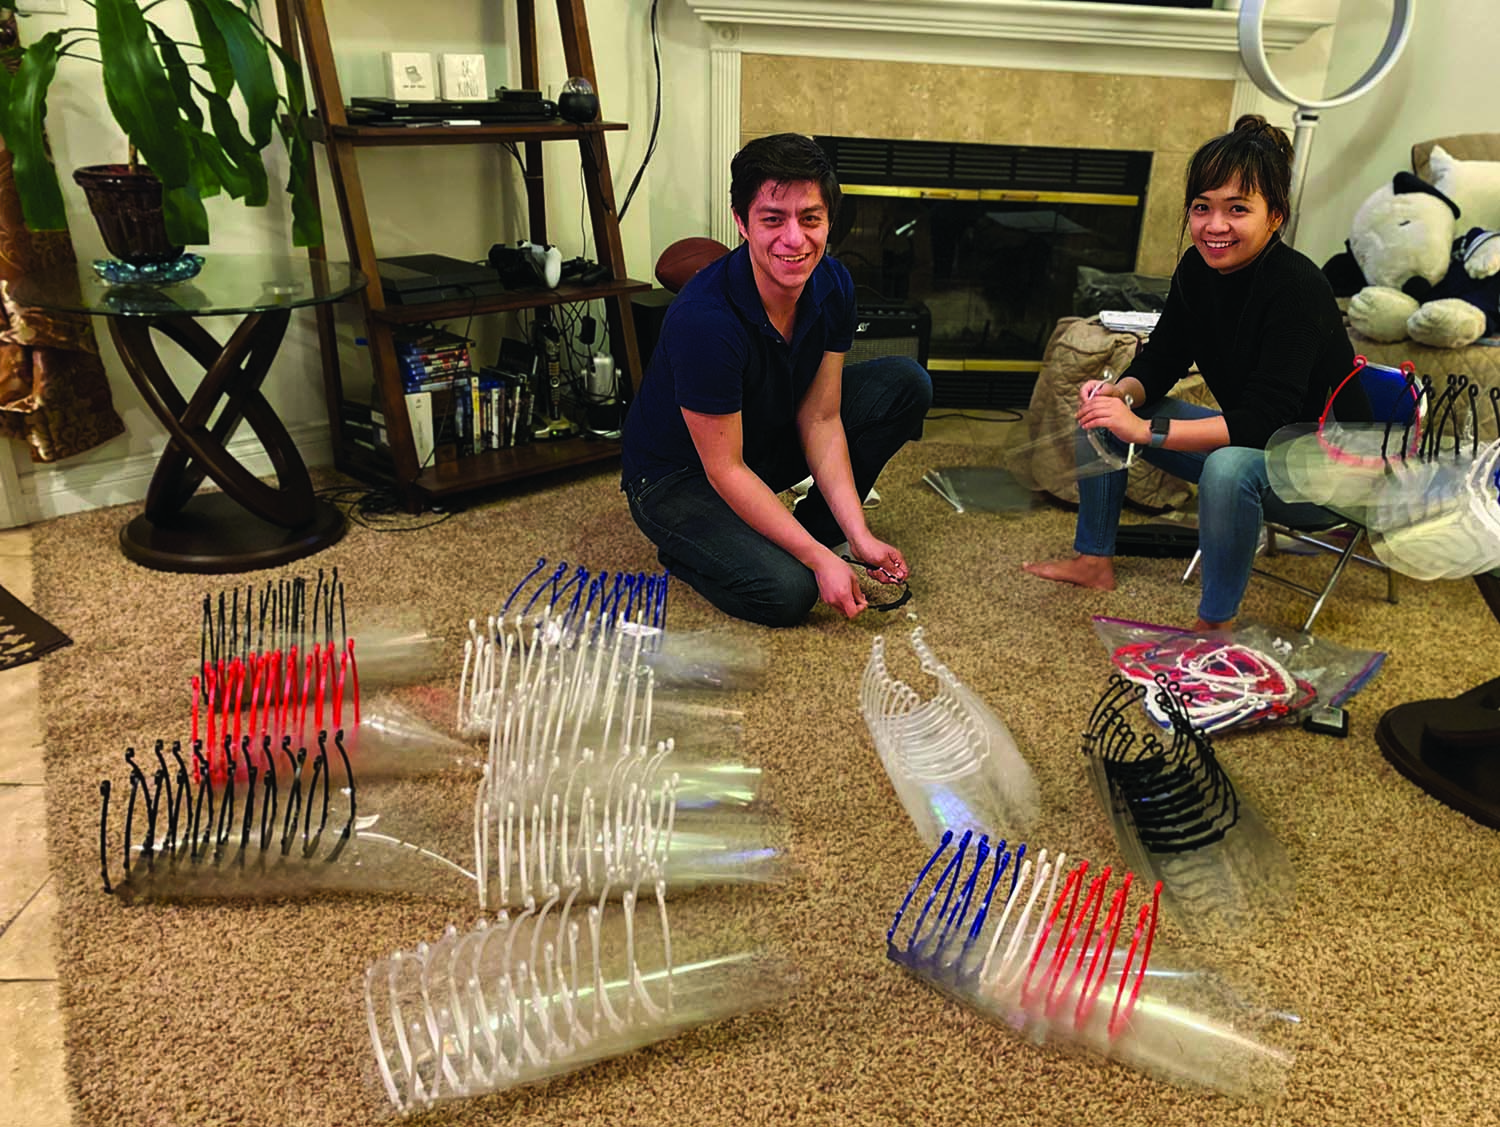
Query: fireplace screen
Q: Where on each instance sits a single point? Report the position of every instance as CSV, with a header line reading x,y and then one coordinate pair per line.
x,y
988,237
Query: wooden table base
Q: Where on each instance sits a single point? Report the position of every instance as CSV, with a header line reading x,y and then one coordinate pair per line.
x,y
212,534
250,524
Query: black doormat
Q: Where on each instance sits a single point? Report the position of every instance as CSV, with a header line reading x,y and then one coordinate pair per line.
x,y
24,634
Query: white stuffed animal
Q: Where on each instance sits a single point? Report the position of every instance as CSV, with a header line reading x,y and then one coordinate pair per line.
x,y
1419,281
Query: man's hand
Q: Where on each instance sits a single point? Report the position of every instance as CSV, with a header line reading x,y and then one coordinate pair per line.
x,y
839,587
1109,410
885,564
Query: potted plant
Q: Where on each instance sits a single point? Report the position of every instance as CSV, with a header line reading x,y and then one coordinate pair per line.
x,y
173,100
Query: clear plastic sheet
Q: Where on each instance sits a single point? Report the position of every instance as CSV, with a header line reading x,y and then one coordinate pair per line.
x,y
951,760
1100,454
1062,959
566,982
1178,817
1237,679
980,489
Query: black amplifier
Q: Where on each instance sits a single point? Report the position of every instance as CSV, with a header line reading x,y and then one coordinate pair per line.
x,y
890,328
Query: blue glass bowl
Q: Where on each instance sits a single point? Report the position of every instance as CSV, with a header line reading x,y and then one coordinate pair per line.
x,y
115,272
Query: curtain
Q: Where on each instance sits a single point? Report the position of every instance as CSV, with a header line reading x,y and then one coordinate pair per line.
x,y
54,394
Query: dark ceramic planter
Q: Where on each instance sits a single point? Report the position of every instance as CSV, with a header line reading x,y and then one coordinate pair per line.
x,y
127,207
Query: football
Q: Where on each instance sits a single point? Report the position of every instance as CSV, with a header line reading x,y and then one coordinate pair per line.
x,y
684,258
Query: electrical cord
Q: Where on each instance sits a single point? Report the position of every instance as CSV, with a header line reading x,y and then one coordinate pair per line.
x,y
656,116
1011,415
378,509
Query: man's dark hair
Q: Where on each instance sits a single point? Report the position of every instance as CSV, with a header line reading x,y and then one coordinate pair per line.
x,y
782,158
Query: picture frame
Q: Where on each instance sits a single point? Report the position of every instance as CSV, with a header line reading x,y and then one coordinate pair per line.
x,y
462,78
409,76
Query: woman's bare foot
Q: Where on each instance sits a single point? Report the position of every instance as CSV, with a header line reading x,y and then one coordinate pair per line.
x,y
1097,572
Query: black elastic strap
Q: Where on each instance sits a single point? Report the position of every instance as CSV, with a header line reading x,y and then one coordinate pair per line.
x,y
900,601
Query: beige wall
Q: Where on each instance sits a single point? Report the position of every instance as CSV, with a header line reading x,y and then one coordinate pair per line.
x,y
1169,117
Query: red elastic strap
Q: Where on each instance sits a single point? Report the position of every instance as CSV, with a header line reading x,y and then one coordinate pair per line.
x,y
1095,897
1075,879
1406,366
1107,937
1118,1020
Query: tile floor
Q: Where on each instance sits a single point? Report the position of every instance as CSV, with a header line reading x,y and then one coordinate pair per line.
x,y
31,1054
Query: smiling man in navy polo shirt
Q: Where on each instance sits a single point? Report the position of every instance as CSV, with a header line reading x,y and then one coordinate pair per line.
x,y
747,394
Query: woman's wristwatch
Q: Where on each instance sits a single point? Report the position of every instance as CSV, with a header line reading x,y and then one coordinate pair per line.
x,y
1160,427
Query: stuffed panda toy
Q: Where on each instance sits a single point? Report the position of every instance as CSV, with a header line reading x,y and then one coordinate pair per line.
x,y
1411,275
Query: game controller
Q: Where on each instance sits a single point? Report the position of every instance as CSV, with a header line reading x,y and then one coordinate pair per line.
x,y
546,260
585,272
525,262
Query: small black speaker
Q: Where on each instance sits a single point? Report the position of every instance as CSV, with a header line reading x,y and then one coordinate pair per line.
x,y
649,310
891,328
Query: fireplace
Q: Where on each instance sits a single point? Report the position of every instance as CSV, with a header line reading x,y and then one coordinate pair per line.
x,y
1029,73
989,239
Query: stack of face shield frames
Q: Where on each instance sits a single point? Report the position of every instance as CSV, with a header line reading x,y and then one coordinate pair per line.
x,y
1178,818
578,600
620,619
282,664
280,822
1064,960
1431,506
951,760
283,616
567,981
576,783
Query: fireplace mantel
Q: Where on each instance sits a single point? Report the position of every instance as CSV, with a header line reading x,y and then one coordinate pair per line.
x,y
1053,35
913,27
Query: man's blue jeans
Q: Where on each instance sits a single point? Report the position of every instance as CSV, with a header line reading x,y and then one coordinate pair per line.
x,y
1234,499
701,541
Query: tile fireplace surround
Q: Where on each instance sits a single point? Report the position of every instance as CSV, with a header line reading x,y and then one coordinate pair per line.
x,y
1015,72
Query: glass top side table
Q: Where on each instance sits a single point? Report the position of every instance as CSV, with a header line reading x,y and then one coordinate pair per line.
x,y
250,524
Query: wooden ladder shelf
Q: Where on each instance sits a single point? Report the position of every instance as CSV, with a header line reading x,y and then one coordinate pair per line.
x,y
416,485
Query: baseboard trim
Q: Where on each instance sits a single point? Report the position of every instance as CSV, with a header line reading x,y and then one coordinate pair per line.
x,y
55,491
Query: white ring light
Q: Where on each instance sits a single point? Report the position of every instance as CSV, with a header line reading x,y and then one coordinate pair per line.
x,y
1253,56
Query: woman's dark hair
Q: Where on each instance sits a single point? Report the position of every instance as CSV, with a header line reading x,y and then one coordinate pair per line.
x,y
1254,152
782,158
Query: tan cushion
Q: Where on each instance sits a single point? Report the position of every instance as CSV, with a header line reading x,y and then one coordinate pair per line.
x,y
1041,454
1464,146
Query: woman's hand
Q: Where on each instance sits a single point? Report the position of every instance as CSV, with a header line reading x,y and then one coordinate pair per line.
x,y
1091,389
1109,410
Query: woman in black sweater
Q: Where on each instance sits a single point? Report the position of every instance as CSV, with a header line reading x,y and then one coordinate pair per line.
x,y
1260,321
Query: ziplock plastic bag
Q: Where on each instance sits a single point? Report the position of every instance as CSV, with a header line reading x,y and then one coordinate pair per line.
x,y
1243,678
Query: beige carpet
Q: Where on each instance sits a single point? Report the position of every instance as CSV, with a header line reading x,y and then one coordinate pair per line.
x,y
251,1014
